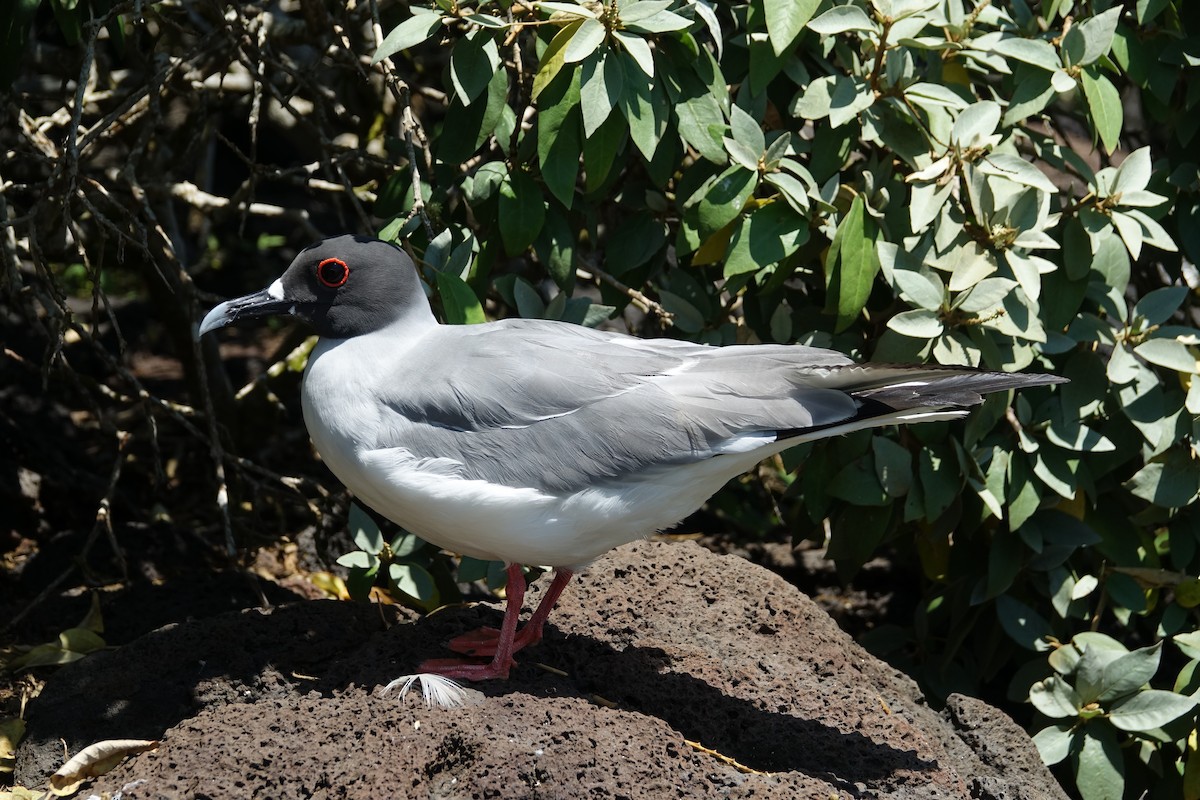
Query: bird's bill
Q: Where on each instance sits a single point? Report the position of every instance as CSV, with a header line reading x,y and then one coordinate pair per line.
x,y
252,306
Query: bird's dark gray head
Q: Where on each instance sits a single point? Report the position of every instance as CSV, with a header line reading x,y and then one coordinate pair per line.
x,y
343,286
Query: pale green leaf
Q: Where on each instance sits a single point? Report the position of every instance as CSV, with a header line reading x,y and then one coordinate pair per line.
x,y
1150,709
1169,353
570,9
851,96
1055,698
1036,52
414,30
785,20
1098,763
918,323
600,86
841,19
975,123
1054,743
1104,102
587,38
1134,172
922,289
637,47
1018,170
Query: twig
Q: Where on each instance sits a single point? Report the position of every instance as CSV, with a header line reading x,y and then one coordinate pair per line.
x,y
636,296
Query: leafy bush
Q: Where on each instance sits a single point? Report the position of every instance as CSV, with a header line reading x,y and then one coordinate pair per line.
x,y
905,180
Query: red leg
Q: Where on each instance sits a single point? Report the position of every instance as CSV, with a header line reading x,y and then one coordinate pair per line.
x,y
484,641
502,660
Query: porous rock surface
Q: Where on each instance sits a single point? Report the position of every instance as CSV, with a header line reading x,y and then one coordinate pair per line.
x,y
666,672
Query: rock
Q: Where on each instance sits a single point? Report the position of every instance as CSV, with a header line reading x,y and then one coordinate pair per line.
x,y
666,672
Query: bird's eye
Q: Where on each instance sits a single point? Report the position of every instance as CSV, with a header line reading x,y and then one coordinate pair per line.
x,y
332,272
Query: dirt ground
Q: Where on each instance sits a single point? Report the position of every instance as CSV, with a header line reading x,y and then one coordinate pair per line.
x,y
667,671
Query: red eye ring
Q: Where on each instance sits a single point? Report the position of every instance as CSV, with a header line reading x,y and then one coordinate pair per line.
x,y
339,277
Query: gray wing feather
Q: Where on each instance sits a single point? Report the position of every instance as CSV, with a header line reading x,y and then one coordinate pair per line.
x,y
529,404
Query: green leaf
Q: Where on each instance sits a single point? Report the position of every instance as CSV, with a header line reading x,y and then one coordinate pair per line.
x,y
586,39
687,317
1036,52
1157,306
558,136
851,265
841,19
473,62
1149,709
1104,675
529,302
855,533
459,302
858,484
816,99
722,200
601,83
1134,172
633,241
697,91
1055,698
985,296
555,247
918,323
358,560
976,122
651,16
1098,763
921,289
1018,170
522,212
553,59
790,189
405,544
636,47
767,236
1088,41
600,150
851,96
415,581
1169,483
747,131
893,466
420,26
1071,434
1169,353
472,569
366,533
1023,625
785,20
1104,102
1054,743
570,9
644,107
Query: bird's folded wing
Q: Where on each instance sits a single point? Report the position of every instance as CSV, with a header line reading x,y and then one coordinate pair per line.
x,y
561,408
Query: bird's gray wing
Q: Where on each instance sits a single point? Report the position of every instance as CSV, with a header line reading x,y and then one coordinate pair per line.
x,y
559,408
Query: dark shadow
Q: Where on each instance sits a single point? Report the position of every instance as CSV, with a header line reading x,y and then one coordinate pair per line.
x,y
150,685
